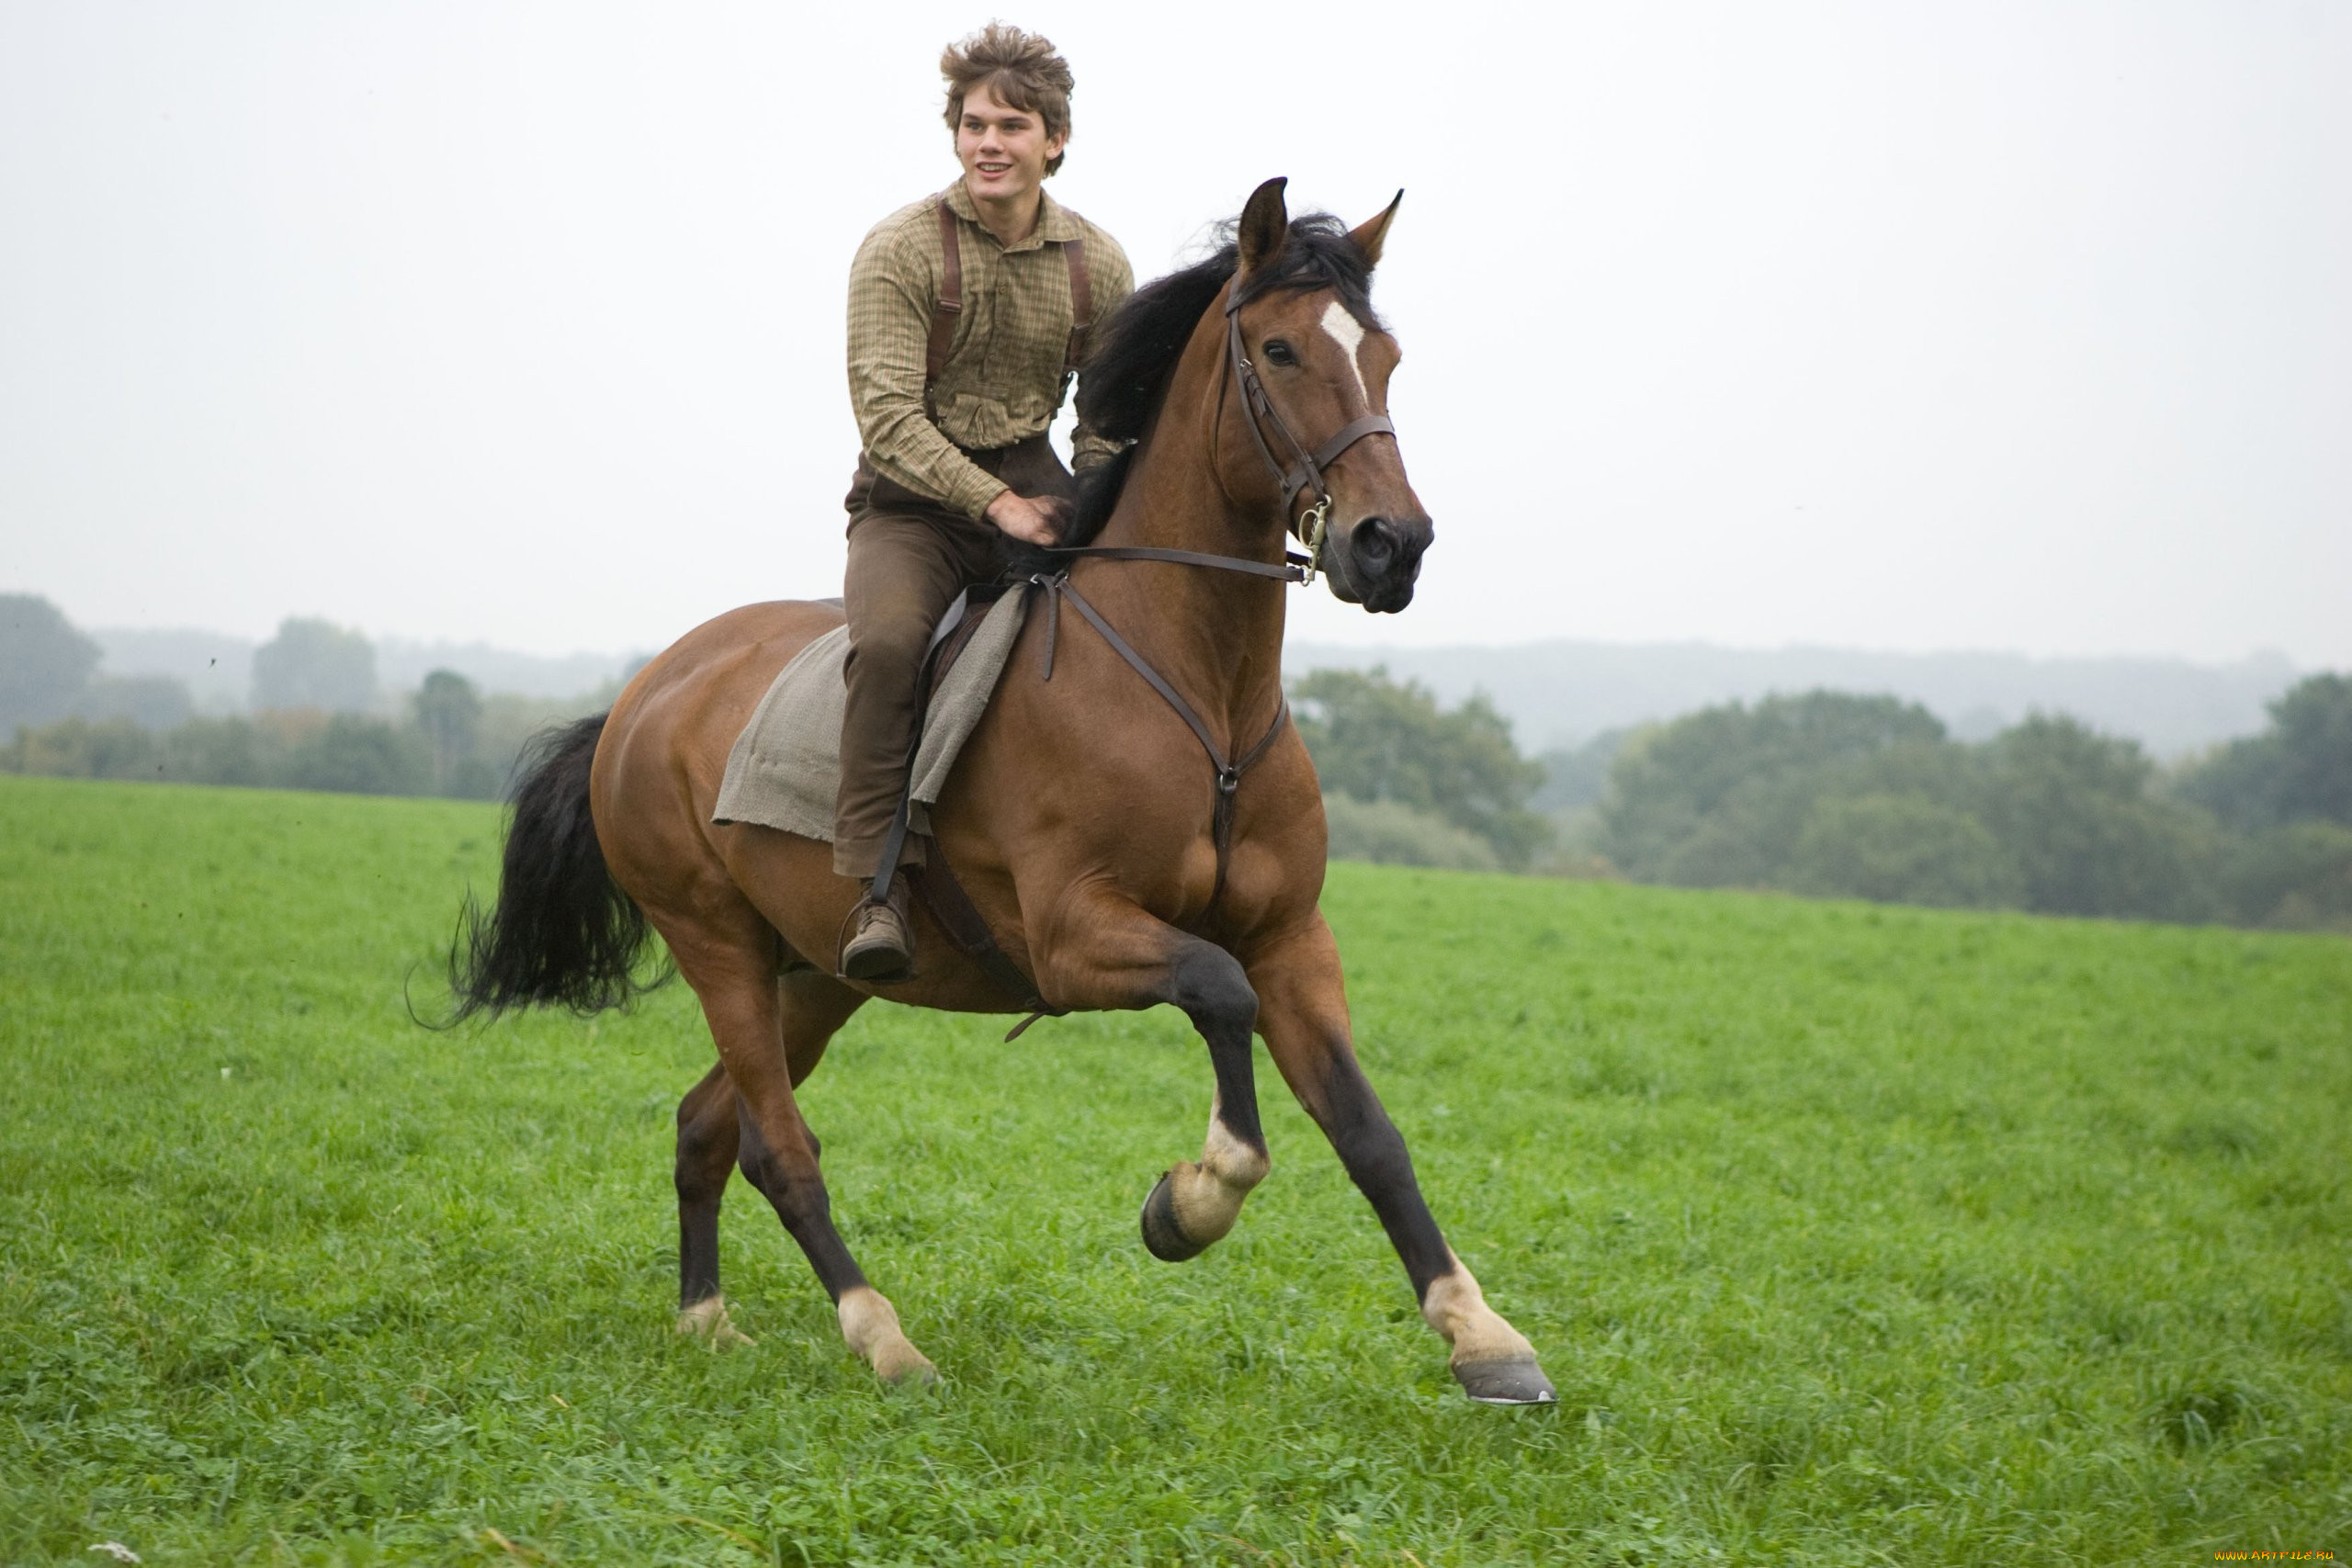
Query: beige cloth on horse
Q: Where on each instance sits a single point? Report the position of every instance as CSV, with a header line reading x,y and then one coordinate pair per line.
x,y
786,766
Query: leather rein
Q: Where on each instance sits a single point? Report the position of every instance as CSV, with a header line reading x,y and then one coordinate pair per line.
x,y
949,904
1312,530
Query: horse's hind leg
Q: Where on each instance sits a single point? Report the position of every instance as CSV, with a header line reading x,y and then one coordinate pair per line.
x,y
812,1007
1304,1020
706,1144
730,964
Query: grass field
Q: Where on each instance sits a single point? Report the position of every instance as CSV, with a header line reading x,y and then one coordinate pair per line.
x,y
1850,1235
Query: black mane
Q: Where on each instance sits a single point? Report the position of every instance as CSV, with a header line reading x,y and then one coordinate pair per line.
x,y
1125,377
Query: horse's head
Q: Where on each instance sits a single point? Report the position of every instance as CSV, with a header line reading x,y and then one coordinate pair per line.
x,y
1304,333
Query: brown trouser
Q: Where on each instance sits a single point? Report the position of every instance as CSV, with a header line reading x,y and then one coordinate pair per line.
x,y
908,560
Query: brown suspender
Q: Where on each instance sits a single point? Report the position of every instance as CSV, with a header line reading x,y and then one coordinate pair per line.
x,y
950,303
1081,306
948,306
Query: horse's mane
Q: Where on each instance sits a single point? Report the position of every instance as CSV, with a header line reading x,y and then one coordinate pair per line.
x,y
1125,376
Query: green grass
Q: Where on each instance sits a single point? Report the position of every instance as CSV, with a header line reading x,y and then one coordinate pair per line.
x,y
1850,1235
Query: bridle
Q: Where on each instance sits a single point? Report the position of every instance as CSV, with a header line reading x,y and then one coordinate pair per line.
x,y
1313,527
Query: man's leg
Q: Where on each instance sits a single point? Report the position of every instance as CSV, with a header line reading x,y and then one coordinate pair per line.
x,y
904,571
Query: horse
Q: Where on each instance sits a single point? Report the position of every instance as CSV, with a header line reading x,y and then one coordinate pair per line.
x,y
1116,867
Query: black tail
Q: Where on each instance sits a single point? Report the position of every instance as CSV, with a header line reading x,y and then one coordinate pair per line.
x,y
562,932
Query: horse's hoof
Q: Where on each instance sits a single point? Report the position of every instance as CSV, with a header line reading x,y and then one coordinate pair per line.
x,y
911,1370
1519,1381
706,1321
1161,1236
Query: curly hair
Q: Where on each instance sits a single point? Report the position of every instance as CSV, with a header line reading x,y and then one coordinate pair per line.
x,y
1020,71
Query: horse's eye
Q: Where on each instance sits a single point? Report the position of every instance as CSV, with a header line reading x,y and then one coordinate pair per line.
x,y
1278,352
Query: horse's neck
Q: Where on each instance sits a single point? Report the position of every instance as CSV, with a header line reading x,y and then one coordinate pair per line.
x,y
1217,634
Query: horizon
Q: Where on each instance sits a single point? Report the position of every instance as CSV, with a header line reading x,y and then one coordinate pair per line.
x,y
2258,655
1556,693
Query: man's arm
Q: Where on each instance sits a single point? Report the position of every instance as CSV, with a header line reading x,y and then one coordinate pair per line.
x,y
1111,282
890,301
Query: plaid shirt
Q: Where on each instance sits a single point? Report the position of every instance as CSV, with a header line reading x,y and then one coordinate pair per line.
x,y
1003,378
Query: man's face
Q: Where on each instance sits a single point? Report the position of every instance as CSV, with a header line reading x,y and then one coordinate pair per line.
x,y
1003,150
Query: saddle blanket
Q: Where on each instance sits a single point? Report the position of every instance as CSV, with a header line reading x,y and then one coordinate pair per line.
x,y
786,766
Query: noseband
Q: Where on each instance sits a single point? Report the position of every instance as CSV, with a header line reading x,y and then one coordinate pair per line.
x,y
1258,409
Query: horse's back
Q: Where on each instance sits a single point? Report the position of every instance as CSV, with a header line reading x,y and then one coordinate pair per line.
x,y
682,712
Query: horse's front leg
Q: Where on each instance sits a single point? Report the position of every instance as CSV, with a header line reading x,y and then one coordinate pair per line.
x,y
1108,953
1305,1019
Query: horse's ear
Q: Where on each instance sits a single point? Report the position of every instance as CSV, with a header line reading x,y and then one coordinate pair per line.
x,y
1265,224
1370,235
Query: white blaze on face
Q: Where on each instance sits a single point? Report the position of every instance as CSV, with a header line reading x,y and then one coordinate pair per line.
x,y
1348,332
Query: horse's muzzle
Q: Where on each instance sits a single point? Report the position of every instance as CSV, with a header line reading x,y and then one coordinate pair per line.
x,y
1380,559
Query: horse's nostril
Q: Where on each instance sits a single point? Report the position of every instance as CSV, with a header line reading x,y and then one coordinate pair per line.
x,y
1375,542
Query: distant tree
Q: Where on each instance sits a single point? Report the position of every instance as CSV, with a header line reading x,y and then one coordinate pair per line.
x,y
1745,844
1578,775
1377,740
2299,769
2297,876
1719,798
150,701
44,661
77,749
222,752
448,713
1389,832
360,755
2313,723
509,721
314,664
1903,849
2072,808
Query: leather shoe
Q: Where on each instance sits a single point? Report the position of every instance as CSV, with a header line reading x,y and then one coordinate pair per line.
x,y
882,947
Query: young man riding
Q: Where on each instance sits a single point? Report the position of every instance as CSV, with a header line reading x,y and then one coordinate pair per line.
x,y
967,312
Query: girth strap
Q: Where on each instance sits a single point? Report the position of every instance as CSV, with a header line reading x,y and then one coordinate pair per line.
x,y
1229,774
934,882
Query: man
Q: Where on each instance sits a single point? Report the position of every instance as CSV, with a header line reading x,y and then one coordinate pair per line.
x,y
967,311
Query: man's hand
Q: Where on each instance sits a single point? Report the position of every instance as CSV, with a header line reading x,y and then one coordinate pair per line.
x,y
1032,520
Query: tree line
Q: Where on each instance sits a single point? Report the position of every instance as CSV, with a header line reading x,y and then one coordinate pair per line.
x,y
321,720
1870,797
451,741
1825,793
1859,797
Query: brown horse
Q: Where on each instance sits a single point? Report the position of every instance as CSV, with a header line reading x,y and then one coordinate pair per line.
x,y
1118,866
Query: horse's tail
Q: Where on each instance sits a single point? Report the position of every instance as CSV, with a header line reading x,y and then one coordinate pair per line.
x,y
562,932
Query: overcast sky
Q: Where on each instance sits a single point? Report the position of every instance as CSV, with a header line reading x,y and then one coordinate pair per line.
x,y
1933,326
